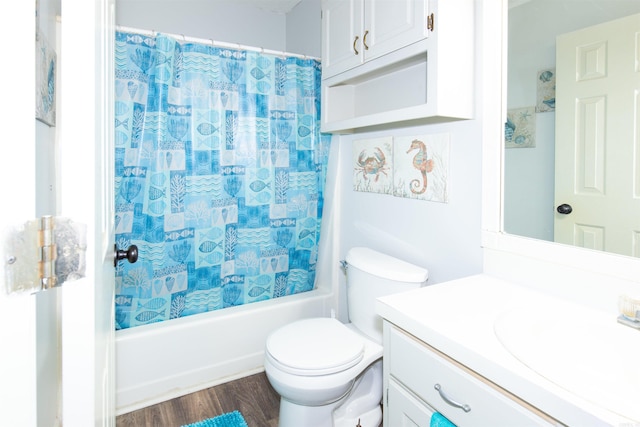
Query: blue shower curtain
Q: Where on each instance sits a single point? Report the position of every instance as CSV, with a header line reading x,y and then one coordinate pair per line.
x,y
220,170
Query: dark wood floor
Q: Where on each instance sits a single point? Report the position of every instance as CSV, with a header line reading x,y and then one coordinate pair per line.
x,y
253,396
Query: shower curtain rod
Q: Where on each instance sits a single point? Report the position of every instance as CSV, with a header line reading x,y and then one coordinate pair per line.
x,y
214,43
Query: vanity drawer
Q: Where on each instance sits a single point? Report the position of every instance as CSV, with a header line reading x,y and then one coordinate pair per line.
x,y
422,370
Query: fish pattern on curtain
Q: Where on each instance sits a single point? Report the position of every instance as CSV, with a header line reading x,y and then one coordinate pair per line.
x,y
220,169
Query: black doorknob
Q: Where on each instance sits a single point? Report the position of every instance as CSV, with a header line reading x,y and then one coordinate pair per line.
x,y
131,254
564,209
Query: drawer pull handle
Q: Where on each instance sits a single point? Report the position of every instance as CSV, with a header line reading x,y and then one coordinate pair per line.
x,y
464,407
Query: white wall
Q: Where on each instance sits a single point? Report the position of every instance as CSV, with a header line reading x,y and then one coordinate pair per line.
x,y
529,172
220,20
442,237
304,29
299,31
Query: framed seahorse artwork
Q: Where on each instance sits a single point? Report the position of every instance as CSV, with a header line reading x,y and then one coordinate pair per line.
x,y
373,165
421,167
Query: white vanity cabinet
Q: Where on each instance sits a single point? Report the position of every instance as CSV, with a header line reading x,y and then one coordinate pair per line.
x,y
396,61
419,380
355,31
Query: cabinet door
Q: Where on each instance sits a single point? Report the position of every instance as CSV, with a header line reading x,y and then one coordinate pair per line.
x,y
404,410
390,25
342,23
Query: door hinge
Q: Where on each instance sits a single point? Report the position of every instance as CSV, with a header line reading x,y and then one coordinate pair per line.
x,y
42,254
431,22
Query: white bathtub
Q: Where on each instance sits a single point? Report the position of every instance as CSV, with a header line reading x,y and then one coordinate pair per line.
x,y
164,360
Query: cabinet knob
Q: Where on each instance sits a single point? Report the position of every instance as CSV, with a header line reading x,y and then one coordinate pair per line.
x,y
354,45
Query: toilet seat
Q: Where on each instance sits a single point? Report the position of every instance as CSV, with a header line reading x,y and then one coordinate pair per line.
x,y
313,347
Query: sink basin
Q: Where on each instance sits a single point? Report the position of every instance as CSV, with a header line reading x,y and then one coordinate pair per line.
x,y
584,351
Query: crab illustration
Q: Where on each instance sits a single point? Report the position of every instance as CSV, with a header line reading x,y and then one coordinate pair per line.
x,y
372,165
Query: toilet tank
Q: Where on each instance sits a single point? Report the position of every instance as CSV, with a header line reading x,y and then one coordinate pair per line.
x,y
370,275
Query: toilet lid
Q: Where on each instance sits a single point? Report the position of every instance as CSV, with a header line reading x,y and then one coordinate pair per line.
x,y
318,346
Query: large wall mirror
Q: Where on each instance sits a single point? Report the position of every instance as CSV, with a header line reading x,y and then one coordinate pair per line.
x,y
572,134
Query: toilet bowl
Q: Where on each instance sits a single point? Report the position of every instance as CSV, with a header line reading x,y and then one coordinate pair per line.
x,y
328,373
313,365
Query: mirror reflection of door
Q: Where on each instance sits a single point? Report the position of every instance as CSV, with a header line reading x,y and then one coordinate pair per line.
x,y
597,137
529,207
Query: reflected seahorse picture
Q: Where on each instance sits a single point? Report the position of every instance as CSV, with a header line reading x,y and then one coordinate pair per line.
x,y
421,167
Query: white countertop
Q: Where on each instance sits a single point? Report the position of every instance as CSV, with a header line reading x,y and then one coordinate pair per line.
x,y
458,317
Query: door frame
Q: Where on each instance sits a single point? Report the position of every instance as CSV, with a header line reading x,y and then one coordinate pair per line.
x,y
88,336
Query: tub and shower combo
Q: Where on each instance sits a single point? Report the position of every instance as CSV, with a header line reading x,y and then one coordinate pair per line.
x,y
220,173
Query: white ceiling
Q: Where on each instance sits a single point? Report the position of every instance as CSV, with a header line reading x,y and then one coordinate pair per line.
x,y
278,6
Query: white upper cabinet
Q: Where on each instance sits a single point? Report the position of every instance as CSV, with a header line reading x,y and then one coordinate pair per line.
x,y
355,31
392,62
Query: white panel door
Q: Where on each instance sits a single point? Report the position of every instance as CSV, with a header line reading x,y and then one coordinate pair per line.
x,y
597,137
85,137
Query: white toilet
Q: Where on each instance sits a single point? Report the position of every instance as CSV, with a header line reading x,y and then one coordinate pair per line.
x,y
329,374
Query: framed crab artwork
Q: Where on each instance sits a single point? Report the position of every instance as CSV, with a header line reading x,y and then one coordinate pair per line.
x,y
421,167
373,165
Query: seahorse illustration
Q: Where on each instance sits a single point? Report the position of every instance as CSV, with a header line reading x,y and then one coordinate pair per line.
x,y
421,163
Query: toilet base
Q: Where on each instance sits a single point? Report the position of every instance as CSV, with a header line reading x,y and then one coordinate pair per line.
x,y
373,418
294,415
360,406
363,406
